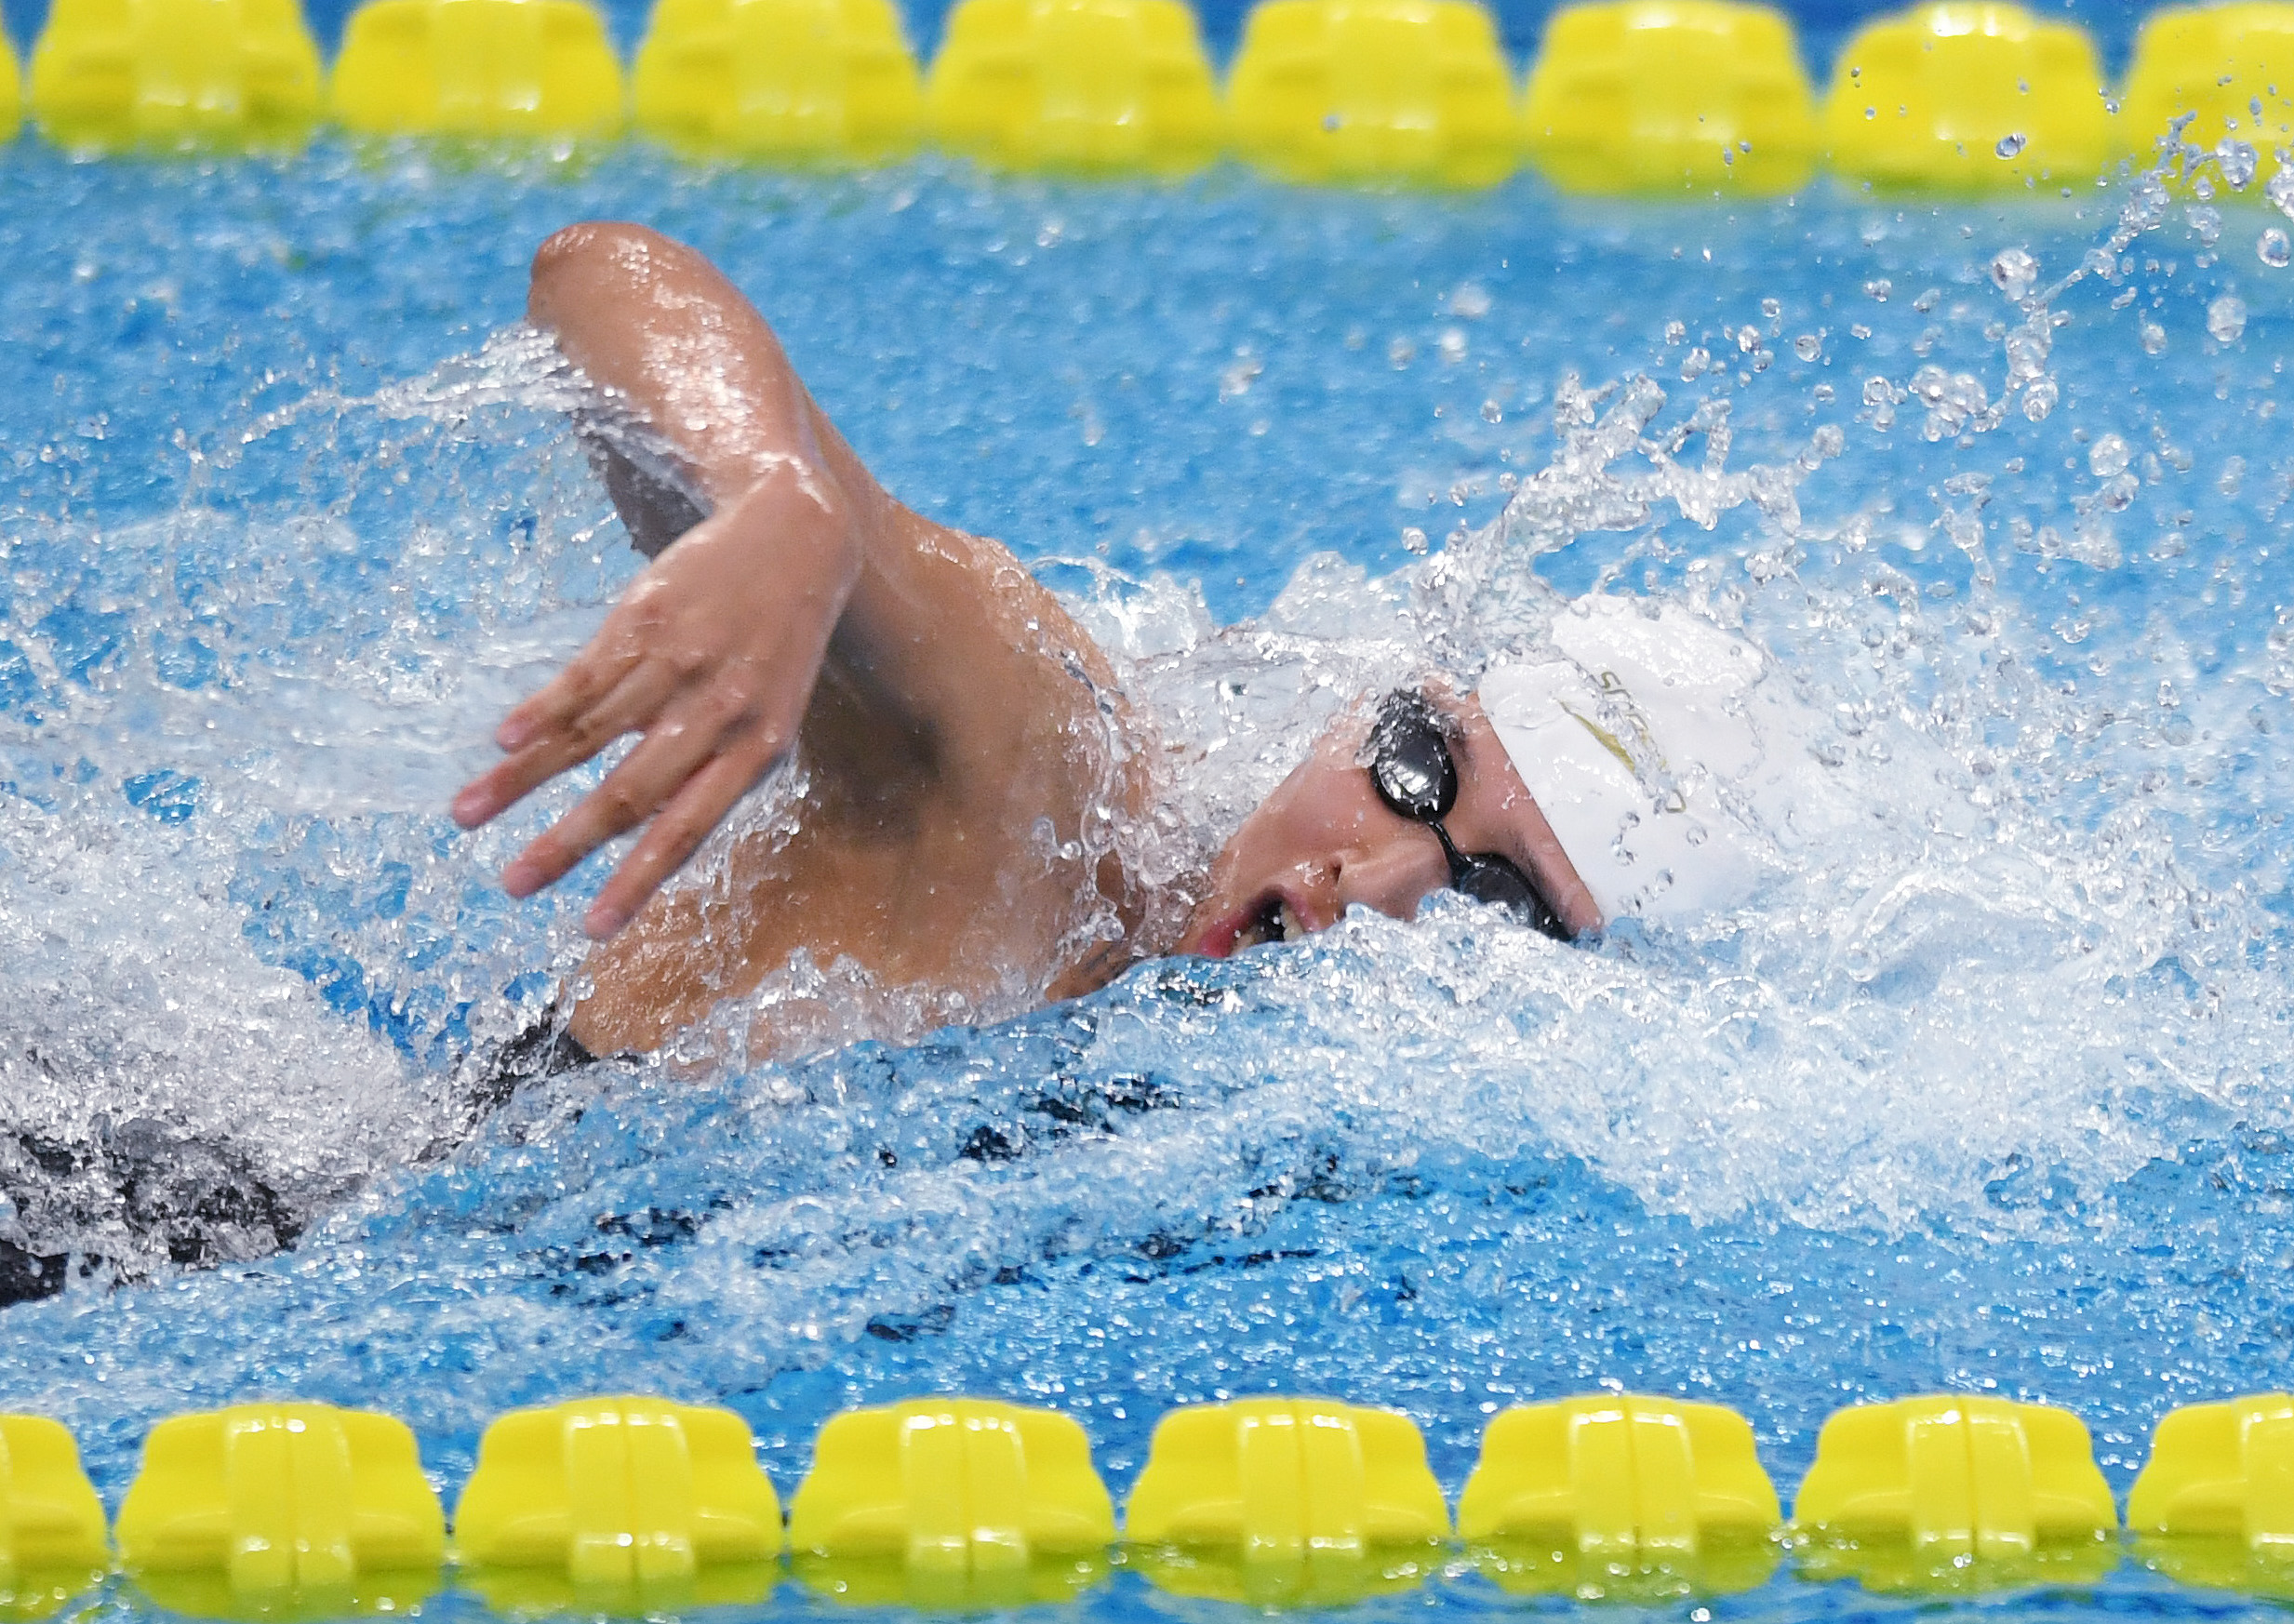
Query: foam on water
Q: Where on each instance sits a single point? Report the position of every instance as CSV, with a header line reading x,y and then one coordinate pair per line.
x,y
1987,1085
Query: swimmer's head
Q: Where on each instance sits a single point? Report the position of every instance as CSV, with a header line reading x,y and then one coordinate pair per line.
x,y
1327,839
1594,770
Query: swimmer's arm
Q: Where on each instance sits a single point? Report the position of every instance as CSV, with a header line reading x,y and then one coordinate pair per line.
x,y
940,651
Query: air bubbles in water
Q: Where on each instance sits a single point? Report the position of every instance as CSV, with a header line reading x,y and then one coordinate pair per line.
x,y
2271,248
2010,146
2015,271
2226,318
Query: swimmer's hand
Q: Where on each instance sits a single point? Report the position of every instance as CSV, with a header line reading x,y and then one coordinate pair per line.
x,y
712,656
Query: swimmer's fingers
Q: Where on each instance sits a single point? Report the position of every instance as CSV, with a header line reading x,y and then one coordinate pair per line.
x,y
570,739
590,676
674,836
709,724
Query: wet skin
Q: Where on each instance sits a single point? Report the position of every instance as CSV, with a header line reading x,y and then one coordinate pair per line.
x,y
1325,842
941,703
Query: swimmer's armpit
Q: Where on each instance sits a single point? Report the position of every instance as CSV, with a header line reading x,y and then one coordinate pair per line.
x,y
655,496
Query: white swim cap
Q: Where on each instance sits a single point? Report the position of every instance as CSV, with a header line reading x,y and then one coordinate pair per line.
x,y
1625,737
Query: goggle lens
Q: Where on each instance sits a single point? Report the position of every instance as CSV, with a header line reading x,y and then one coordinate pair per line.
x,y
1416,776
1409,763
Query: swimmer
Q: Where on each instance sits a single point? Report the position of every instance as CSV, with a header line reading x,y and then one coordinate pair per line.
x,y
958,740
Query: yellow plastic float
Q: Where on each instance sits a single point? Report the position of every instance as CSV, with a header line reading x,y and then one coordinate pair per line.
x,y
1286,1502
1374,92
1084,85
1590,1495
1955,1492
230,73
2214,1503
276,1504
1967,96
608,1502
478,68
2231,66
952,1503
52,1543
1653,96
801,81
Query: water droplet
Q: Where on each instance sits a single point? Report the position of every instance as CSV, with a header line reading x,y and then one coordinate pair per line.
x,y
1880,288
2226,319
2272,248
2027,354
2280,191
2146,204
2010,146
2040,398
1472,302
2154,338
2015,272
2108,455
2235,159
1807,346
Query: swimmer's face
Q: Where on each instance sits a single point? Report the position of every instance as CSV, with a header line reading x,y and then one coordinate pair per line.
x,y
1325,841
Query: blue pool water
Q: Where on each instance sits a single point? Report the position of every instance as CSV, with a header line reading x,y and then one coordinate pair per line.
x,y
1989,1093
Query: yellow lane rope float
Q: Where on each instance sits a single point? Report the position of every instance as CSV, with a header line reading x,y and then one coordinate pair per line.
x,y
620,1503
478,68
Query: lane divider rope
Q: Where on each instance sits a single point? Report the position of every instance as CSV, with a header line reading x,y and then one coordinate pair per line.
x,y
1624,97
961,1503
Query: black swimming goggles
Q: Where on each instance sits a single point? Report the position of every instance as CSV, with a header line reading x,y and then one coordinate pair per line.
x,y
1414,774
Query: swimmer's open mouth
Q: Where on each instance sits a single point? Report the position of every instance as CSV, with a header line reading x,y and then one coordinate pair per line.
x,y
1274,921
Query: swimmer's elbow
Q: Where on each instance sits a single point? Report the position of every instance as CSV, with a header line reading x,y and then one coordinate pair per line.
x,y
577,262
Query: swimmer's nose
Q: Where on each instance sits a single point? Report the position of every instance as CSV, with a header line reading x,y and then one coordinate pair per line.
x,y
1394,874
